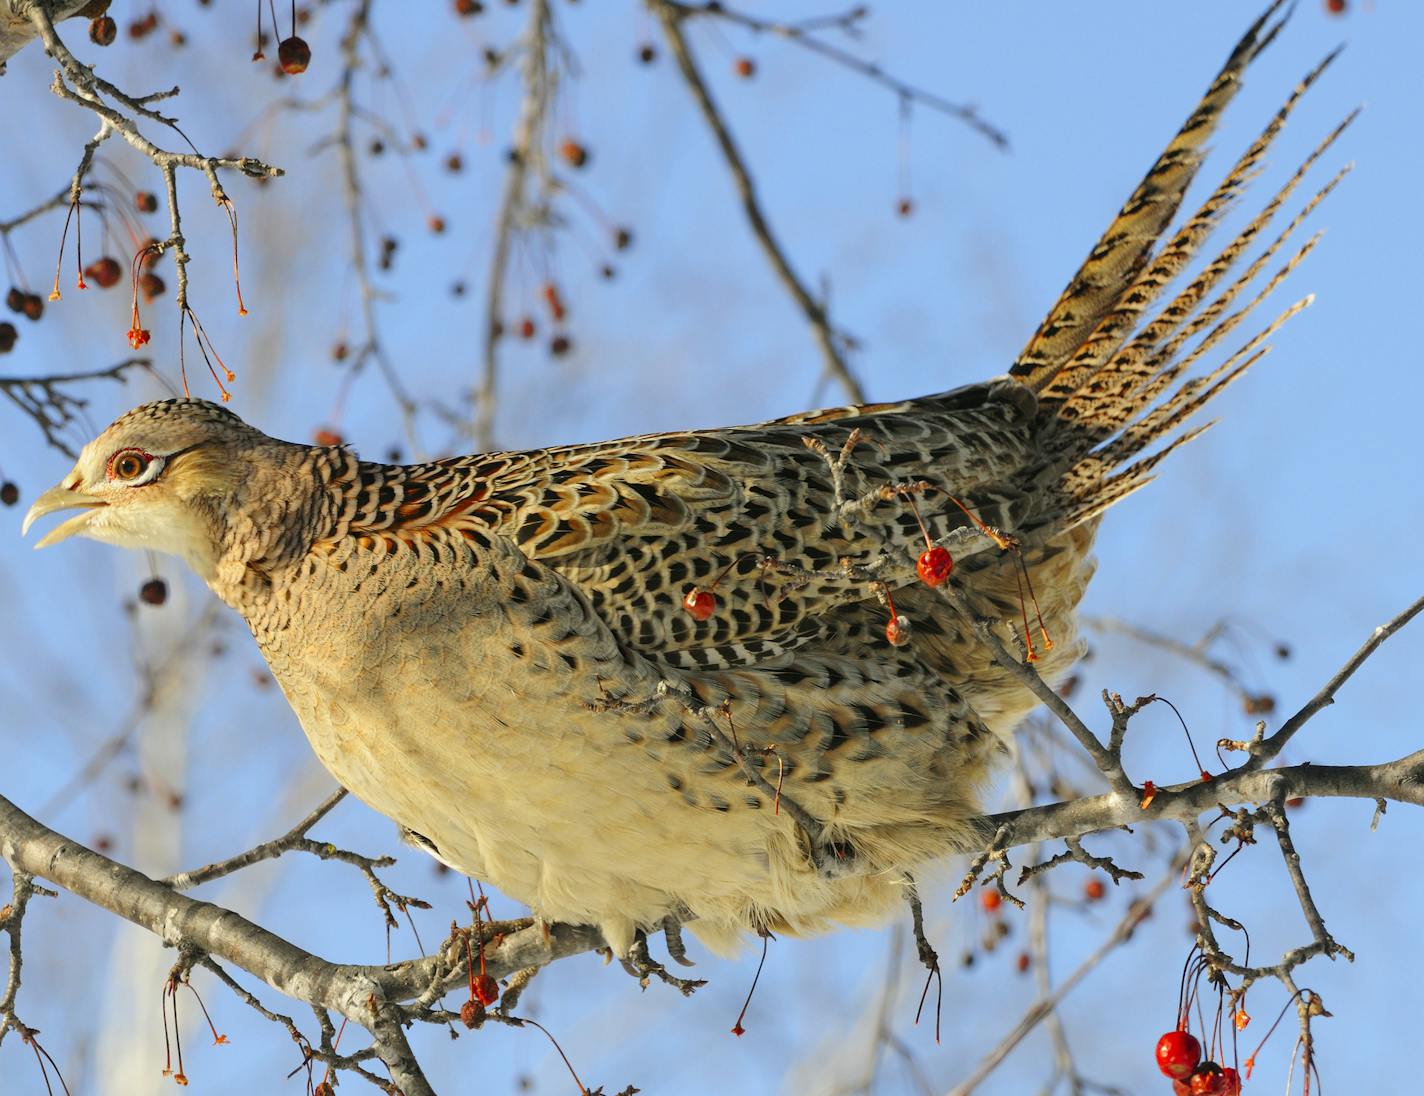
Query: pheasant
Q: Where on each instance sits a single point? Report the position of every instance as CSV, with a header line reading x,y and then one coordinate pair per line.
x,y
699,675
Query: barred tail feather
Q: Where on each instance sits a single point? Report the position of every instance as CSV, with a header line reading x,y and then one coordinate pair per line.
x,y
1111,367
1124,249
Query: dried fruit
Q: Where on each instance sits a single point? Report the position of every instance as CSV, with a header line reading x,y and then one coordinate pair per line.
x,y
468,7
622,238
8,335
745,67
904,207
104,272
560,345
699,603
647,53
153,592
527,328
472,1013
990,899
486,989
15,299
103,31
1259,704
33,308
573,153
9,493
294,55
142,28
151,286
898,631
934,565
1208,1080
145,201
1178,1053
1095,890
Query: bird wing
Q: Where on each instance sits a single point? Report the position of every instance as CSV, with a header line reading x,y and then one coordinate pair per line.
x,y
765,516
636,523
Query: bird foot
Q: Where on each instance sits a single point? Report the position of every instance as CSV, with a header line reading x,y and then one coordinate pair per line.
x,y
644,967
672,939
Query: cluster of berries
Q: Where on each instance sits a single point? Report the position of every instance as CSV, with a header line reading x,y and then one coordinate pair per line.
x,y
1179,1056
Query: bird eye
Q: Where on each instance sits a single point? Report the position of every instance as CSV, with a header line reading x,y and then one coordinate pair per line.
x,y
129,464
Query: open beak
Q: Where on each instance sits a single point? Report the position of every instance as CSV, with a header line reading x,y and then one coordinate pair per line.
x,y
62,498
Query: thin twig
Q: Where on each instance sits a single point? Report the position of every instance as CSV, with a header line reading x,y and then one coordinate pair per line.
x,y
268,850
372,346
49,403
525,154
827,338
1265,751
802,34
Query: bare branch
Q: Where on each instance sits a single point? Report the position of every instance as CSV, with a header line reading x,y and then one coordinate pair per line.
x,y
525,154
49,402
803,34
1108,760
268,850
827,338
345,141
1265,751
1401,780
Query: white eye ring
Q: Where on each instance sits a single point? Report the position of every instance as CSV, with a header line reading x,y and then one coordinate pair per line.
x,y
133,467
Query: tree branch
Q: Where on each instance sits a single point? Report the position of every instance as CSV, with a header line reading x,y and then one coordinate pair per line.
x,y
1265,751
829,340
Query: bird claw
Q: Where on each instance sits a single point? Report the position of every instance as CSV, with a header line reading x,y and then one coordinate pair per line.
x,y
644,967
672,939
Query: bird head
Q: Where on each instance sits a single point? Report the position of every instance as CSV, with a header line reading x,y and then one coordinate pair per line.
x,y
160,477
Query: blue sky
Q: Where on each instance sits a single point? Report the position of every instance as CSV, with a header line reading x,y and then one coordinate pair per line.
x,y
1299,513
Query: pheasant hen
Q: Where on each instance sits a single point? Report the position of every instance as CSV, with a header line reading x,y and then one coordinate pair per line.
x,y
696,675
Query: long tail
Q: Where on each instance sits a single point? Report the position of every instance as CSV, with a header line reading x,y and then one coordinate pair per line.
x,y
1101,368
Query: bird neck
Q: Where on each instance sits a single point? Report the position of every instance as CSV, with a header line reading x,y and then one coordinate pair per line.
x,y
290,497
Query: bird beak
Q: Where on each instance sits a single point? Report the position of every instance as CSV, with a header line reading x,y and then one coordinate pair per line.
x,y
62,497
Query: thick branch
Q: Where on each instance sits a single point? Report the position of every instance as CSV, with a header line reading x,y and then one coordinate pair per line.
x,y
29,846
17,30
1401,780
352,991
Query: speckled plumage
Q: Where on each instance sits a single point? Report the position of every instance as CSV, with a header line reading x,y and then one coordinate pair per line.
x,y
492,650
